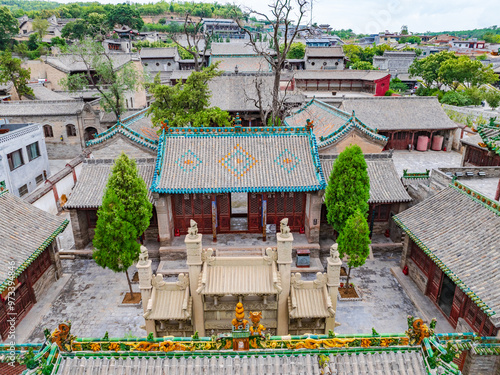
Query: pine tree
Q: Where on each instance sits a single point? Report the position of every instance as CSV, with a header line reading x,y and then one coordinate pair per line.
x,y
354,241
348,188
123,216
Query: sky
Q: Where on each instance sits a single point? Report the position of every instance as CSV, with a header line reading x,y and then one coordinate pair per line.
x,y
373,16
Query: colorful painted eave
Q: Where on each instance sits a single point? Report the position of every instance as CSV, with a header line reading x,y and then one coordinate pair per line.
x,y
208,132
352,123
123,128
35,254
493,143
488,203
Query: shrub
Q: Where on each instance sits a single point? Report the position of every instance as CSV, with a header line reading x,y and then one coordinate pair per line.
x,y
457,98
389,92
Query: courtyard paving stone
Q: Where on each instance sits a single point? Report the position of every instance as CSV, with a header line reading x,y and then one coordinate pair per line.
x,y
416,161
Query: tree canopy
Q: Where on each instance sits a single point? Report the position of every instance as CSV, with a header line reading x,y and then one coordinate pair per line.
x,y
124,215
40,26
124,14
111,81
348,188
8,26
11,70
187,104
354,241
297,50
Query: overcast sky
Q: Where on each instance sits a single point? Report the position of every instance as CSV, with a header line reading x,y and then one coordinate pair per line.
x,y
372,16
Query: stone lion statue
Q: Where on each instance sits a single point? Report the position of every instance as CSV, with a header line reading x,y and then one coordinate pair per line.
x,y
193,229
284,228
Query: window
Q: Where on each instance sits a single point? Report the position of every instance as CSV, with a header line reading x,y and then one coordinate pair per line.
x,y
33,151
23,190
15,159
92,218
39,179
382,212
71,130
47,131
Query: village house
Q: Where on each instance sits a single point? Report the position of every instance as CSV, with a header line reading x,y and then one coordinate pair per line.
x,y
318,58
24,163
66,124
156,60
29,255
416,122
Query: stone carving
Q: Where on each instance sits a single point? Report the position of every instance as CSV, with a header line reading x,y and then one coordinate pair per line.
x,y
256,328
271,255
183,281
297,281
284,228
157,281
207,255
334,252
143,256
193,229
320,281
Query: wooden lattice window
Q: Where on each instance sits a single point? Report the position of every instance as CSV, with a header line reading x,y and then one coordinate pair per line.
x,y
420,258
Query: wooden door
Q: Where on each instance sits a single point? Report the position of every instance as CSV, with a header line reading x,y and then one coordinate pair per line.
x,y
254,212
456,307
224,211
434,283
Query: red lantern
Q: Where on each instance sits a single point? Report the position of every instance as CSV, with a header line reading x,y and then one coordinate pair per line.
x,y
405,270
302,230
177,233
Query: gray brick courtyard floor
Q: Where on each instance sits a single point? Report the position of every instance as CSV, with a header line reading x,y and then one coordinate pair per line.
x,y
416,161
89,297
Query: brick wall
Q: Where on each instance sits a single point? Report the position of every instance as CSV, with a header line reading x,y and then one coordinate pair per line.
x,y
6,369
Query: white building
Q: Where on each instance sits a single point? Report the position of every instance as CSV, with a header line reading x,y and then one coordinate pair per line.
x,y
24,162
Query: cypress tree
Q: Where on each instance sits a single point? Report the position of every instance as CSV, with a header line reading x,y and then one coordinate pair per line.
x,y
123,216
348,188
354,241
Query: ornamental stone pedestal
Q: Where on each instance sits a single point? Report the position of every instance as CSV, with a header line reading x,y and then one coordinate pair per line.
x,y
145,276
333,282
194,262
285,241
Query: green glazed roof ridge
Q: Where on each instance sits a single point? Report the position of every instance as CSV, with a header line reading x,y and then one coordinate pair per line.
x,y
489,203
34,255
352,123
475,298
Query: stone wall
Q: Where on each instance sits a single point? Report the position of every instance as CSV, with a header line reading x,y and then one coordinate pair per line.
x,y
476,364
44,282
80,228
414,272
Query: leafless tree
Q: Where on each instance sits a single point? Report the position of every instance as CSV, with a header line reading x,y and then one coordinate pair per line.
x,y
195,35
285,18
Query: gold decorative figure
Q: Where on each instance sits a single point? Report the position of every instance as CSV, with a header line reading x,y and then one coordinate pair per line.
x,y
256,328
239,322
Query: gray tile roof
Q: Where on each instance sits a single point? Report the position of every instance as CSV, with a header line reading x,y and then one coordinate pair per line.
x,y
24,230
362,75
330,123
158,53
71,63
324,51
221,160
463,235
402,363
43,93
473,140
385,184
41,108
236,48
400,113
229,91
89,189
113,147
245,64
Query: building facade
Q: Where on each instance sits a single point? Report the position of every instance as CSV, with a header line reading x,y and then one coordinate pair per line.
x,y
24,162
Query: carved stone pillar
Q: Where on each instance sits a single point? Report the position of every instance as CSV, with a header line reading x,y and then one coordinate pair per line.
x,y
164,214
193,248
145,275
285,242
333,283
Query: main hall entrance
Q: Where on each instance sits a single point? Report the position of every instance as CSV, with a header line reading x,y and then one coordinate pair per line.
x,y
238,212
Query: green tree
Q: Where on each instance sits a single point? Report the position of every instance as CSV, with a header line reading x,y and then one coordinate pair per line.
x,y
428,68
11,70
297,50
492,98
467,72
348,188
354,241
8,26
187,104
40,26
124,215
124,14
104,74
363,65
397,85
95,26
